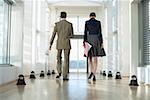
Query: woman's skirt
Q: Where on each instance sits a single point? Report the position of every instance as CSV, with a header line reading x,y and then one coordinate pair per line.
x,y
96,49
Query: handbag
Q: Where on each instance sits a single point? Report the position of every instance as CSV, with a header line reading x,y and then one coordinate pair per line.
x,y
87,47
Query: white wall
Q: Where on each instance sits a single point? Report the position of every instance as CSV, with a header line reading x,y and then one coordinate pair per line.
x,y
35,36
25,25
10,73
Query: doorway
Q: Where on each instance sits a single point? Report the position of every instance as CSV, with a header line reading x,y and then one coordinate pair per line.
x,y
78,63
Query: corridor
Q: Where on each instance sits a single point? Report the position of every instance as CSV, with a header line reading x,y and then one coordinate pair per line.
x,y
26,28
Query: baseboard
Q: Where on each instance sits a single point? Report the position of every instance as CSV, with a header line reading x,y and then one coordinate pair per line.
x,y
5,84
147,84
125,76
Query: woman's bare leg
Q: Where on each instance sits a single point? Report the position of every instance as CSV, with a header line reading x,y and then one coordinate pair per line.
x,y
94,65
91,64
94,68
91,67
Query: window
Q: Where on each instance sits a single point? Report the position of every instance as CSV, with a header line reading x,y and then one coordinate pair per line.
x,y
146,32
74,21
5,8
78,24
82,24
114,15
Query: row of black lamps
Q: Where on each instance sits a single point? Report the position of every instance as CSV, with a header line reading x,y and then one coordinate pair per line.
x,y
133,81
21,80
118,75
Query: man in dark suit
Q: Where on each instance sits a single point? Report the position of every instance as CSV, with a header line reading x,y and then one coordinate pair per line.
x,y
64,31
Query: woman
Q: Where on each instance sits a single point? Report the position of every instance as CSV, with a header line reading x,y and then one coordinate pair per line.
x,y
93,35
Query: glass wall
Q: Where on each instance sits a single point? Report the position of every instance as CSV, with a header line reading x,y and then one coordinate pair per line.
x,y
78,24
4,32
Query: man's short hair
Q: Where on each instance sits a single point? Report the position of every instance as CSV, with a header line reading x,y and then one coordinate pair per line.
x,y
92,14
63,14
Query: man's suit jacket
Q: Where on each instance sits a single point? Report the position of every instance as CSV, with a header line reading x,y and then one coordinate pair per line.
x,y
64,31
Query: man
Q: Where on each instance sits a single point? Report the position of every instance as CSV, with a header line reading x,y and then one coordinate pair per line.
x,y
64,31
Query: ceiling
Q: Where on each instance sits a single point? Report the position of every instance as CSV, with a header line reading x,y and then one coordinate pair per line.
x,y
76,2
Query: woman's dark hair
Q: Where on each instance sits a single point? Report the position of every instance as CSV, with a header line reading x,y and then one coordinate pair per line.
x,y
63,14
92,14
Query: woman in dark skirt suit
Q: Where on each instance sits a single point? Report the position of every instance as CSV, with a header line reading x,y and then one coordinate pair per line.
x,y
93,35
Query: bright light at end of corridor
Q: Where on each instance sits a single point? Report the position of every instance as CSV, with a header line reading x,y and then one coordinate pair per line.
x,y
45,92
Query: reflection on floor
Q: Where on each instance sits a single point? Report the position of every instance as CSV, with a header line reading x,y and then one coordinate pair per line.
x,y
77,88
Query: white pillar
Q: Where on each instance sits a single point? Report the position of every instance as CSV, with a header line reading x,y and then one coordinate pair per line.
x,y
134,38
27,45
110,37
124,37
53,52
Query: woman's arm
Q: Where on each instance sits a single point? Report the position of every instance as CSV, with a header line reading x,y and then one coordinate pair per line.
x,y
100,33
85,32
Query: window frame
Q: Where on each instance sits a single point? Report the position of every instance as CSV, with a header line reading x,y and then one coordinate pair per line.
x,y
145,31
6,24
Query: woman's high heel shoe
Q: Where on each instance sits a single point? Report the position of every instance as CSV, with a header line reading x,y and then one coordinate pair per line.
x,y
90,76
94,78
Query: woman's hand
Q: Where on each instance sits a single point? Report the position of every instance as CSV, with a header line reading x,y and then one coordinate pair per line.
x,y
50,47
83,44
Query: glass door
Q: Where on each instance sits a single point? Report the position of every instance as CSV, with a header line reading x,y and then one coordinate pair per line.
x,y
78,63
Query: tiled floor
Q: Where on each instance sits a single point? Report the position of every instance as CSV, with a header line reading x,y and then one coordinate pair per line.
x,y
77,88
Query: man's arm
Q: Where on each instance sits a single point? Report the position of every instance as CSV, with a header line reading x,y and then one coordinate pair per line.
x,y
71,31
53,36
